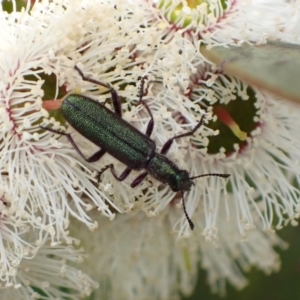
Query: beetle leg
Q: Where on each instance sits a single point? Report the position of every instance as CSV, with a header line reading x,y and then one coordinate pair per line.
x,y
169,142
151,122
141,101
116,102
139,179
96,156
123,175
114,95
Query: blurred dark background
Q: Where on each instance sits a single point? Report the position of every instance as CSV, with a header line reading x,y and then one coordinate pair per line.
x,y
284,285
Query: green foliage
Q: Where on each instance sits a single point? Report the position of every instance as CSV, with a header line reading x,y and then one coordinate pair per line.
x,y
8,6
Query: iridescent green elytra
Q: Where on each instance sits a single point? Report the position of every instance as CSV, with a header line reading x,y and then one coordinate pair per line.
x,y
108,131
120,139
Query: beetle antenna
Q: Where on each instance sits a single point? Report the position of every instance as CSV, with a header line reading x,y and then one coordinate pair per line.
x,y
211,174
185,212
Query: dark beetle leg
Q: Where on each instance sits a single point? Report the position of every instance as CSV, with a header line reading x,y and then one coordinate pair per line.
x,y
151,122
96,156
169,142
139,179
123,175
114,96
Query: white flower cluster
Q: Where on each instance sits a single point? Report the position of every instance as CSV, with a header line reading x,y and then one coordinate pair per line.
x,y
47,190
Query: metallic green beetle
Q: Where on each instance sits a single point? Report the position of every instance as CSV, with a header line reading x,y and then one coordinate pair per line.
x,y
120,139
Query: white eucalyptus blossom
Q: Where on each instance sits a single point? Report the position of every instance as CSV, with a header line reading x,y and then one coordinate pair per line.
x,y
14,246
50,275
44,180
140,258
225,22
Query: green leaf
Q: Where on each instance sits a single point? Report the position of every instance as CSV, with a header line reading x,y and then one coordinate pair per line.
x,y
8,5
274,67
